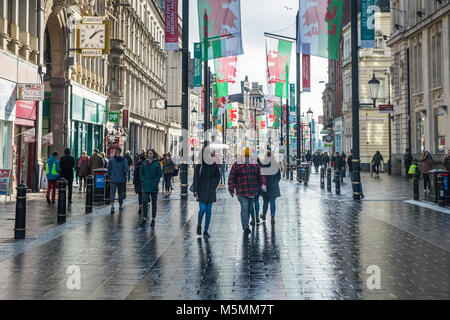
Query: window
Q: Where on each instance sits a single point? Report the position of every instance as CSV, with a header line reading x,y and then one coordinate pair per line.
x,y
436,60
440,132
420,132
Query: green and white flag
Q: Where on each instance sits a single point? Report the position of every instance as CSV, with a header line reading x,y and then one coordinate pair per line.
x,y
219,24
278,53
226,76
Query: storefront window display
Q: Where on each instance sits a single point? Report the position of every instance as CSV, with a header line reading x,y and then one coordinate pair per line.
x,y
440,132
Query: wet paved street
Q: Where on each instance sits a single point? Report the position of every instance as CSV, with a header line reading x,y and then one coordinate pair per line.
x,y
321,247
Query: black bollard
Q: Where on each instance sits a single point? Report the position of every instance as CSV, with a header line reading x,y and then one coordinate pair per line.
x,y
322,178
440,186
287,172
291,173
300,176
338,182
107,190
89,193
416,186
329,179
62,187
21,212
306,176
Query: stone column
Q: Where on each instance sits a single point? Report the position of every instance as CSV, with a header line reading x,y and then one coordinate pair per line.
x,y
446,73
15,29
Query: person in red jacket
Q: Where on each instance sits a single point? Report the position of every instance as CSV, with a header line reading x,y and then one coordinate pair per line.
x,y
245,179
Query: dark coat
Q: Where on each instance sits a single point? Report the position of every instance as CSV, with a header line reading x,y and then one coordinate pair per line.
x,y
137,178
316,160
83,166
350,163
66,165
272,184
447,163
377,158
96,162
206,182
150,176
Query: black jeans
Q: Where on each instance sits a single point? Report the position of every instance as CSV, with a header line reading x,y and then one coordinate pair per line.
x,y
426,181
145,201
167,181
407,165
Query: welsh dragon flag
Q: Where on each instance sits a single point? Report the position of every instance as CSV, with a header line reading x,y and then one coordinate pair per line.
x,y
319,28
219,24
226,75
278,53
273,106
272,121
232,115
220,105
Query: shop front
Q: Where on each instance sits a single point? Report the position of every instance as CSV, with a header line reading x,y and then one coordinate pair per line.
x,y
7,118
25,140
88,111
338,131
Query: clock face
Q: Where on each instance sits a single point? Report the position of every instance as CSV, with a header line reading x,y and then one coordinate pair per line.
x,y
92,36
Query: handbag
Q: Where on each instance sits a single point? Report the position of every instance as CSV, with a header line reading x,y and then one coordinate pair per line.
x,y
175,172
191,188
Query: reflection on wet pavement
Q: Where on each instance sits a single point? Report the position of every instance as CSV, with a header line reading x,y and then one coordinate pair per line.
x,y
319,248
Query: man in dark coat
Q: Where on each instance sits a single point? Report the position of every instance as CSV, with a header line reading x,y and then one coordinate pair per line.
x,y
137,180
96,161
130,164
206,180
407,157
67,165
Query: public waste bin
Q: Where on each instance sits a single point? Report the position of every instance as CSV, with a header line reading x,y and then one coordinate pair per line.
x,y
99,184
305,171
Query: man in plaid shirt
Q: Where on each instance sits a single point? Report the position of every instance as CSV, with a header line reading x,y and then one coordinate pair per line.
x,y
245,178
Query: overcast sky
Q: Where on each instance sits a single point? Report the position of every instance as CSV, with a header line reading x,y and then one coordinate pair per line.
x,y
259,16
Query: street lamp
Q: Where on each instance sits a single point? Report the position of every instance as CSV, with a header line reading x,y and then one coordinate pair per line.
x,y
309,115
374,86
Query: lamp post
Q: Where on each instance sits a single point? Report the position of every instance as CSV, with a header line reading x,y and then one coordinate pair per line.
x,y
309,115
374,86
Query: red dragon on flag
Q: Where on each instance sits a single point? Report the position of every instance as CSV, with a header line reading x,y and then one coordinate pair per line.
x,y
226,69
276,67
221,17
262,124
232,115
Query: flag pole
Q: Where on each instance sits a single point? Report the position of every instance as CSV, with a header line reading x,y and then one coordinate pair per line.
x,y
298,113
287,122
185,98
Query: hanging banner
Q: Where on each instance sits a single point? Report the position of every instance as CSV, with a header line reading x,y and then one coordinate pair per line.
x,y
273,121
319,28
220,105
278,57
198,74
367,23
306,72
29,136
225,69
219,23
171,25
232,115
292,99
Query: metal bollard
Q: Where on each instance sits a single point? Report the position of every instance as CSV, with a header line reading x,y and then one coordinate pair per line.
x,y
440,186
21,212
300,176
107,190
329,179
416,186
89,193
306,176
291,173
62,187
322,178
338,182
287,172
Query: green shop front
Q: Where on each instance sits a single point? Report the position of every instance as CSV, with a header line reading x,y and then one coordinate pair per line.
x,y
88,113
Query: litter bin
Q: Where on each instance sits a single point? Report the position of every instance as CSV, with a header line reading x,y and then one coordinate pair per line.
x,y
447,187
434,193
305,171
99,184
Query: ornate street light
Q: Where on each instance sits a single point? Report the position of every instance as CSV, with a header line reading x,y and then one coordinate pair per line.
x,y
374,86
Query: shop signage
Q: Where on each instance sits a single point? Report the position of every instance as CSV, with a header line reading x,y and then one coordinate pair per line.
x,y
367,23
30,91
328,145
321,119
90,111
306,74
26,109
329,138
386,108
5,176
113,117
197,65
326,132
7,100
47,140
171,25
29,136
292,99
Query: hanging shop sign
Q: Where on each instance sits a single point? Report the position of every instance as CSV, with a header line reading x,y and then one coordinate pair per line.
x,y
329,138
47,140
30,91
7,100
171,25
386,108
197,65
113,117
93,36
29,136
368,23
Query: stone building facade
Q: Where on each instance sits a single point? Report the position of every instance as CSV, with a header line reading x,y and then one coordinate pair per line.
x,y
421,89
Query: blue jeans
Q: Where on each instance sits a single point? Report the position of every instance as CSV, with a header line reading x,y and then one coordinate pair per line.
x,y
204,207
255,208
266,202
112,196
246,207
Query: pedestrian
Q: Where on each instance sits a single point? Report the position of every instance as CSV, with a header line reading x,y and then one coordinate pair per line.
x,y
350,170
150,173
105,160
130,164
255,207
67,165
137,180
52,172
407,158
427,166
96,161
223,170
325,160
205,182
244,179
82,170
316,161
168,171
117,174
447,161
343,168
376,162
273,188
337,164
308,156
